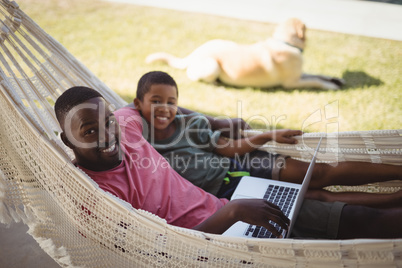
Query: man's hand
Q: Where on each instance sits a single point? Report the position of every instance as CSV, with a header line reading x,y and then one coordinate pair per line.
x,y
253,211
259,212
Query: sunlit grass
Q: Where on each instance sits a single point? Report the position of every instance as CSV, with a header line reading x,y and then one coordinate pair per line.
x,y
113,39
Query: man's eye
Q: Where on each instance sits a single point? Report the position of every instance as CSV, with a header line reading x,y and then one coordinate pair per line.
x,y
89,132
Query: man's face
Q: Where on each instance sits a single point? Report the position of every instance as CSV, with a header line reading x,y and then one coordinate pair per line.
x,y
159,106
91,130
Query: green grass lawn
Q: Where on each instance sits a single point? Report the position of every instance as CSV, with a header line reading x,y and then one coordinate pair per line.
x,y
113,39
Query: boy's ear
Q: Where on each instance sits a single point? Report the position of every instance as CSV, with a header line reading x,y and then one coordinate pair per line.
x,y
137,104
66,141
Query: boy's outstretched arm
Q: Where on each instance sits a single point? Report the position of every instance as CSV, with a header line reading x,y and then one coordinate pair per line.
x,y
230,148
252,211
229,127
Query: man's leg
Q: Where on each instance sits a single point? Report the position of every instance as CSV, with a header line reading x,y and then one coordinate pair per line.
x,y
344,173
365,222
374,200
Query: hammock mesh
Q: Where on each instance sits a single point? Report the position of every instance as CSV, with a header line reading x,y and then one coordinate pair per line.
x,y
78,224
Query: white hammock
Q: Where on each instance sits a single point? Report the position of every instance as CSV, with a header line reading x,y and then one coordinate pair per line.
x,y
78,224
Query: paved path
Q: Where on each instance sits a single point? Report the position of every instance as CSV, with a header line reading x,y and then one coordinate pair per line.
x,y
367,18
19,250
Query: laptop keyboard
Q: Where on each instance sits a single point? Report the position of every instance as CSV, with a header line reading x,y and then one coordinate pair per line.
x,y
284,197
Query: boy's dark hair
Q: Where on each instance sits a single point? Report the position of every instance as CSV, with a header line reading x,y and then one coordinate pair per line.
x,y
71,98
153,78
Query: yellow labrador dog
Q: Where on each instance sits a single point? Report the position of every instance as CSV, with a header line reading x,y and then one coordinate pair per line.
x,y
276,61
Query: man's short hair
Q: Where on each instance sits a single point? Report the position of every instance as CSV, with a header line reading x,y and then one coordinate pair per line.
x,y
154,78
71,98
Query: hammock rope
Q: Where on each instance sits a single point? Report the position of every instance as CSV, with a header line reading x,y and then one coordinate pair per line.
x,y
78,224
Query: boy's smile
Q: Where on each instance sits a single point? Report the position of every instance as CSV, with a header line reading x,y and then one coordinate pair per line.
x,y
159,108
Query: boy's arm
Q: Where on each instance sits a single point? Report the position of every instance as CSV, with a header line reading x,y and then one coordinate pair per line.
x,y
229,127
253,211
230,148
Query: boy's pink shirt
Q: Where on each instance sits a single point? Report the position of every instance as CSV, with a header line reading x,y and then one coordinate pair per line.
x,y
146,181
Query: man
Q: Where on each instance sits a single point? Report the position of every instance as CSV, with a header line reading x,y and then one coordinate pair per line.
x,y
128,167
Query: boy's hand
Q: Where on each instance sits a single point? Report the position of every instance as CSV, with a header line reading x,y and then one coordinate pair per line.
x,y
286,135
260,212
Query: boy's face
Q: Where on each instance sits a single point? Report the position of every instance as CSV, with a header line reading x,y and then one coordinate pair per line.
x,y
92,132
159,106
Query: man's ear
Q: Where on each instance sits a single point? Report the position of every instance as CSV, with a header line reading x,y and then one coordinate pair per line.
x,y
66,141
137,104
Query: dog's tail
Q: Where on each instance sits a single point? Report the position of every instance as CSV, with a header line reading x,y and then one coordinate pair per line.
x,y
173,61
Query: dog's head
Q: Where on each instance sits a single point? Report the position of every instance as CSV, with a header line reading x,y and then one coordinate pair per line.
x,y
292,31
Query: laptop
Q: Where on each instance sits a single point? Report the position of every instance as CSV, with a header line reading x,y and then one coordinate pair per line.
x,y
288,196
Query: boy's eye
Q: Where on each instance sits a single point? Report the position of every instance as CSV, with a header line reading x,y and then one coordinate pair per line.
x,y
155,101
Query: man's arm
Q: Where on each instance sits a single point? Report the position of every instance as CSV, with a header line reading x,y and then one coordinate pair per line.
x,y
229,127
230,148
253,211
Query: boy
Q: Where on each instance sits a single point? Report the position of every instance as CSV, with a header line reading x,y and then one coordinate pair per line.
x,y
91,131
209,161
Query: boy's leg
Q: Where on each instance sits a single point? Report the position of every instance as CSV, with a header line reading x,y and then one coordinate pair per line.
x,y
365,222
375,200
344,173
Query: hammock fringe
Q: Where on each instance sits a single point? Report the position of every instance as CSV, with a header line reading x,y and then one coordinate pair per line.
x,y
59,254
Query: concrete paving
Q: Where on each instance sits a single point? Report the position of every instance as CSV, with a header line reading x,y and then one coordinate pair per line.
x,y
368,18
374,19
19,250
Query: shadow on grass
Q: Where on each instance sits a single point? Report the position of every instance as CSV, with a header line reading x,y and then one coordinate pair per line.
x,y
269,89
353,79
359,79
397,2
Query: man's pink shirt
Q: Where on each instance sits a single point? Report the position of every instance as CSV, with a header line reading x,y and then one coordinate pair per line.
x,y
146,181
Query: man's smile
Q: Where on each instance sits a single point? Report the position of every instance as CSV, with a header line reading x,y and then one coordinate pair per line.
x,y
111,148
